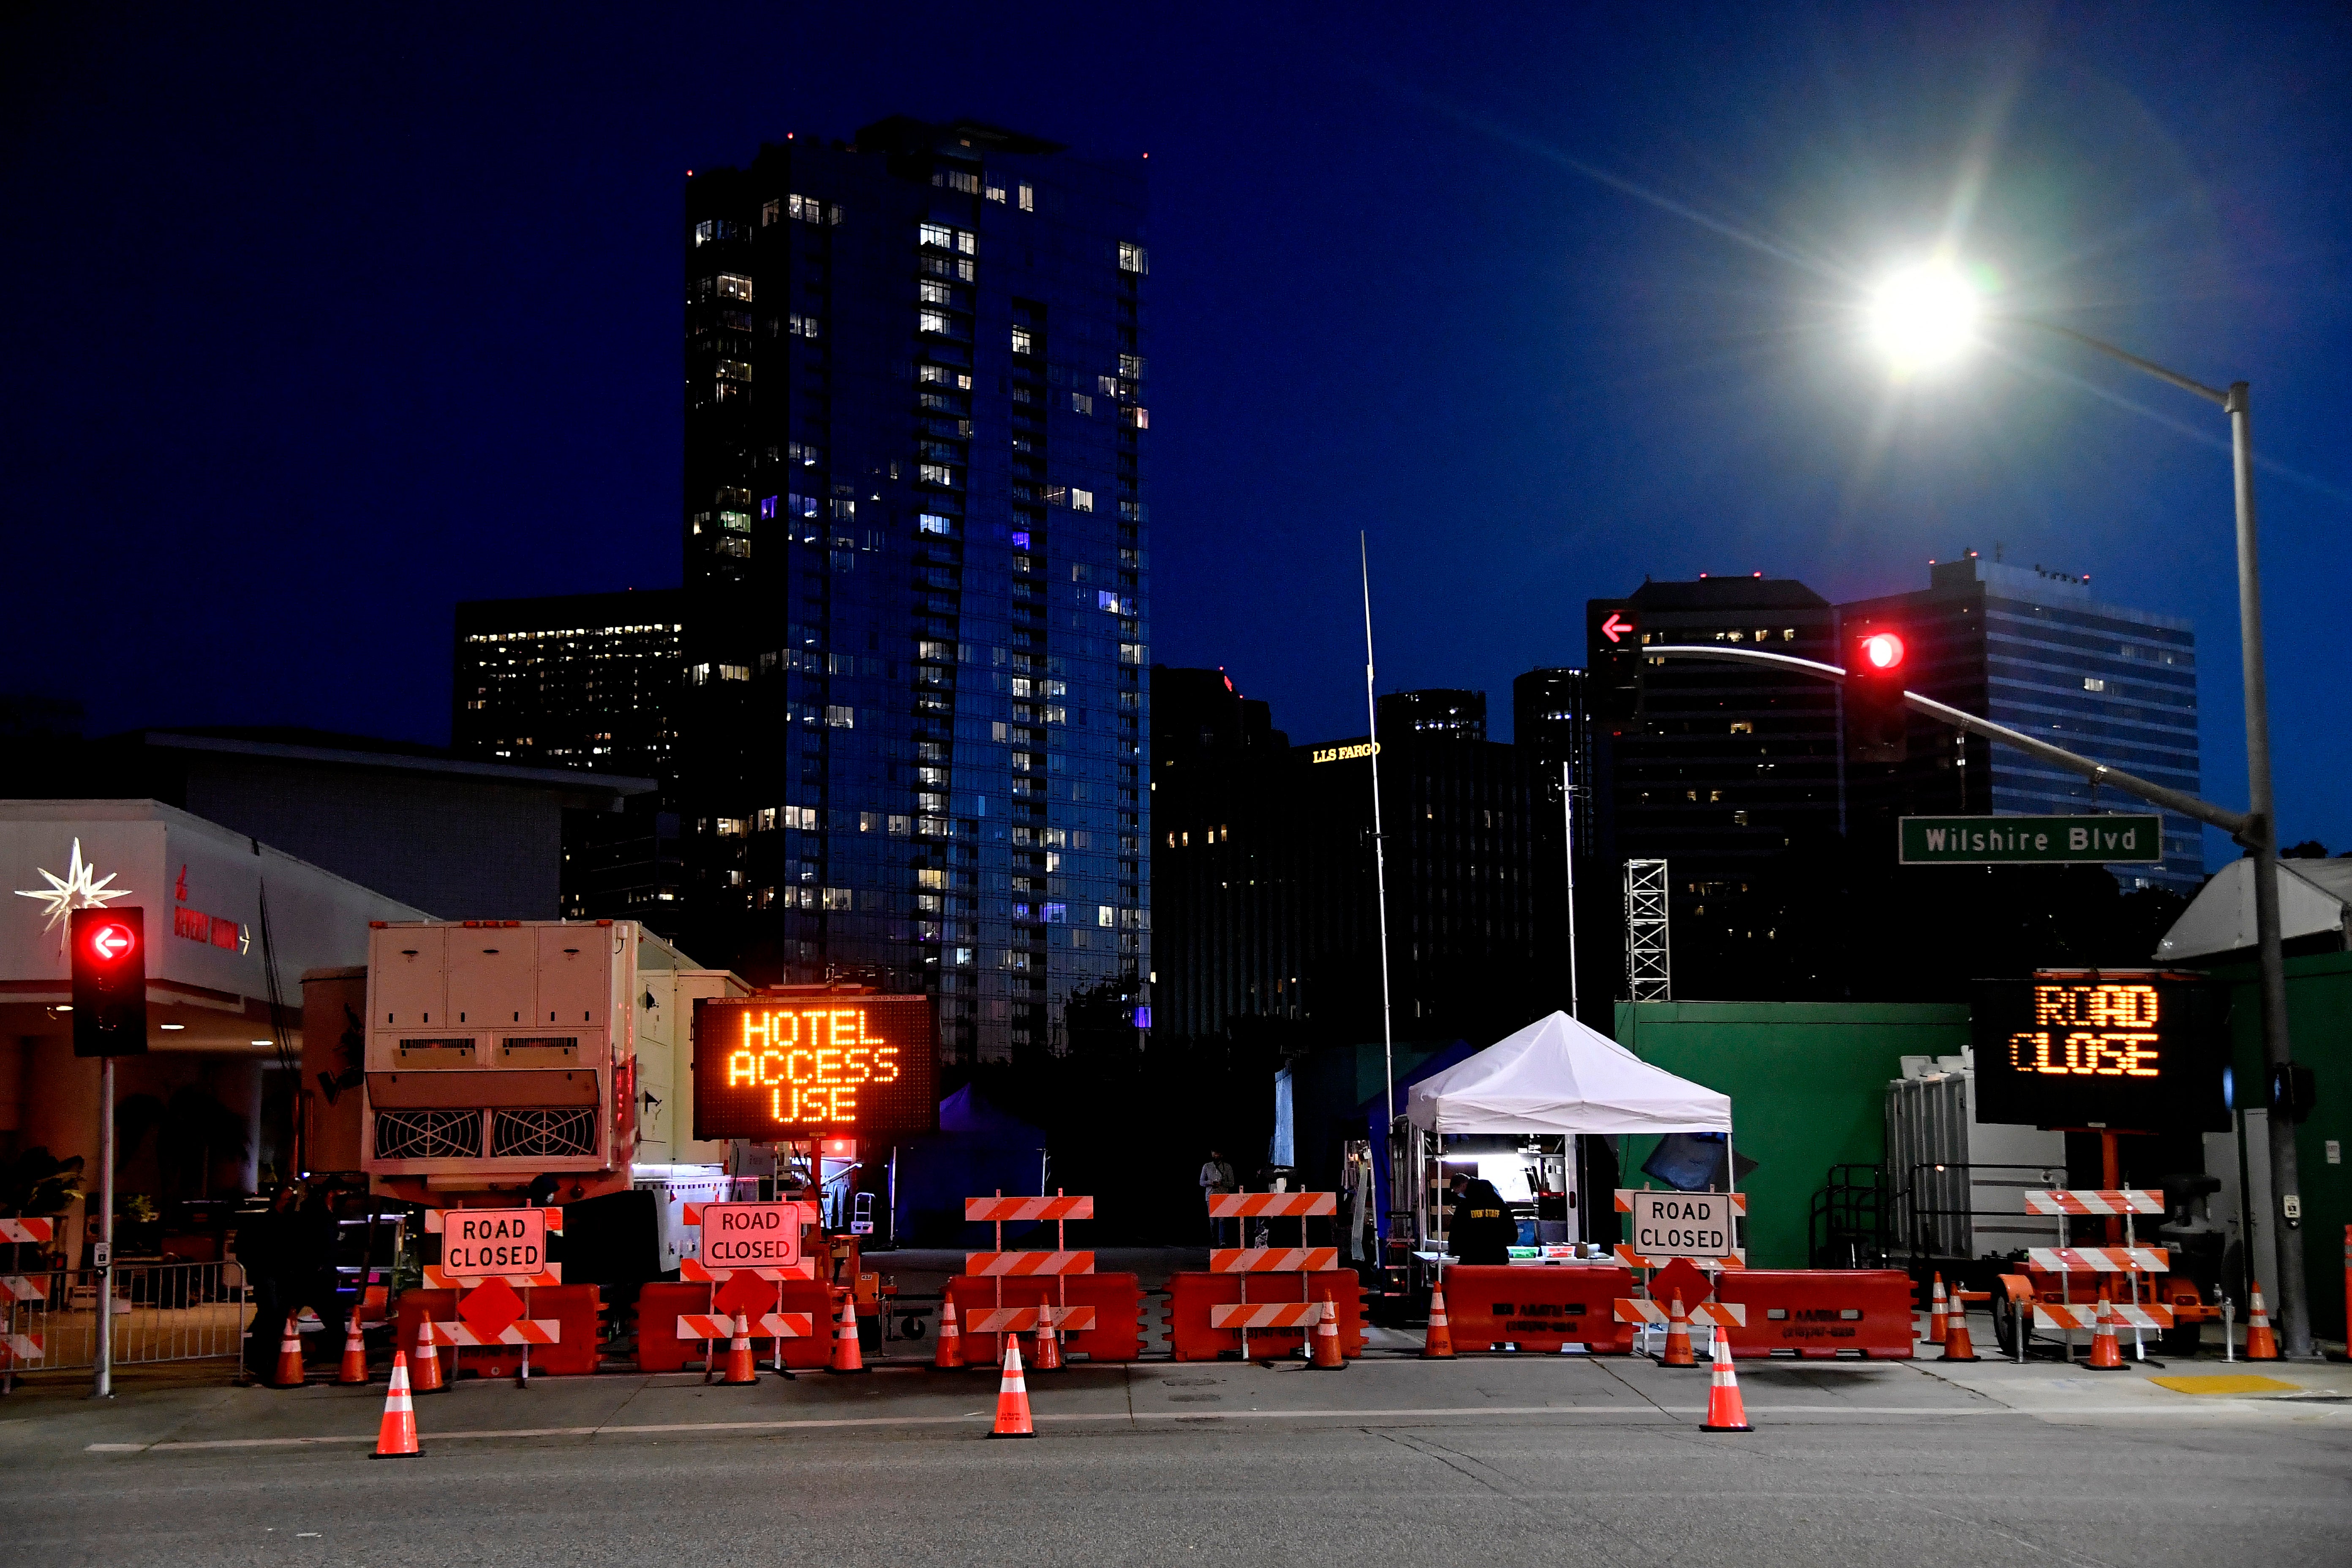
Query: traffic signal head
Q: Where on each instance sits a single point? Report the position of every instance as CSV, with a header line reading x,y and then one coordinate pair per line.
x,y
1612,657
1877,724
109,954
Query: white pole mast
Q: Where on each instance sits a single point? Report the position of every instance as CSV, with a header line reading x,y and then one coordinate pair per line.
x,y
1379,855
1567,835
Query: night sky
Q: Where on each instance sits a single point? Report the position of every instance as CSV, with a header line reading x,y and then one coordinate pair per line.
x,y
321,321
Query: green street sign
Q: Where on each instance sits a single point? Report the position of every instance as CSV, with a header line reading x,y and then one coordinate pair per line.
x,y
2031,840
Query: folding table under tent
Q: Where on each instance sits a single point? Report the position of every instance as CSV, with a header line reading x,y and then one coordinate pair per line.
x,y
1557,1077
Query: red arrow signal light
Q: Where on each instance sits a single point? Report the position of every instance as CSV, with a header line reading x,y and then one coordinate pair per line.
x,y
110,982
1613,628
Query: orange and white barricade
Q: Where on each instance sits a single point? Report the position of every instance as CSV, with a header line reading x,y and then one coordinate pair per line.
x,y
27,1232
1722,1314
715,1326
494,1310
1301,1316
1057,1263
2152,1318
2082,1202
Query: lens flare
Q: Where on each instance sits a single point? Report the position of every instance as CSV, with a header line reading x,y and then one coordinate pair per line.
x,y
1925,315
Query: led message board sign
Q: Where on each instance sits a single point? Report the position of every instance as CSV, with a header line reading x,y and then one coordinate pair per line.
x,y
800,1067
2131,1051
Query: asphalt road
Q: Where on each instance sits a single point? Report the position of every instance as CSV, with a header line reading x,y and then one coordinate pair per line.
x,y
1503,1461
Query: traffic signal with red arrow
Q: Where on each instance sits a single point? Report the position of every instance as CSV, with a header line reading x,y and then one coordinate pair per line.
x,y
1877,723
109,950
1612,660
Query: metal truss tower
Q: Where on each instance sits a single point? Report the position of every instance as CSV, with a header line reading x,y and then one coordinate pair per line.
x,y
1649,964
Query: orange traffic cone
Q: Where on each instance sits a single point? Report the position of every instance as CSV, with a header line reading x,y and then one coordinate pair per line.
x,y
354,1373
846,1355
290,1356
1958,1344
1726,1411
1678,1345
396,1438
1439,1343
1049,1344
2261,1343
1327,1339
1938,1324
2105,1355
948,1357
428,1360
740,1368
1012,1396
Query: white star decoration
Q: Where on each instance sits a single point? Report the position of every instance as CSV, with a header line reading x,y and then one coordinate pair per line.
x,y
80,888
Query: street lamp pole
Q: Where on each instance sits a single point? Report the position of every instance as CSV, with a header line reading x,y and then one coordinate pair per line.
x,y
2261,834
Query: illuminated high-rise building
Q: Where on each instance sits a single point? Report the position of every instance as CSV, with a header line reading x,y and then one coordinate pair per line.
x,y
916,567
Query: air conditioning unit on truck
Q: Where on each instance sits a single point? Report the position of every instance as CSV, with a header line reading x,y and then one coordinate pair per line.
x,y
499,1051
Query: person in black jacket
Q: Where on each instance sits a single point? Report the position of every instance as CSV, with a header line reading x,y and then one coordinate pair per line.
x,y
1480,1223
308,1277
263,1243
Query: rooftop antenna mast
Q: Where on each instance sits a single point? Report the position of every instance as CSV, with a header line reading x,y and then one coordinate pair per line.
x,y
1379,855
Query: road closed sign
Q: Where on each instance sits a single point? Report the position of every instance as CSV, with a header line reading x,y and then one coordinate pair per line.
x,y
752,1235
1696,1225
478,1243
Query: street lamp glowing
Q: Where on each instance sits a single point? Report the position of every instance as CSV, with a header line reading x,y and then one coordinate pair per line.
x,y
1924,315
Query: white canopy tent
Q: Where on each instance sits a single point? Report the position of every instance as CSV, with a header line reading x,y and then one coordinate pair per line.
x,y
1557,1076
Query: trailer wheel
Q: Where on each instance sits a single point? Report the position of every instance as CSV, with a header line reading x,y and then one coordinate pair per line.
x,y
2182,1340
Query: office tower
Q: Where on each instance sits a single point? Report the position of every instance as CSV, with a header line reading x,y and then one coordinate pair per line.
x,y
1216,760
1434,714
2030,648
579,680
1267,894
589,681
917,561
1731,775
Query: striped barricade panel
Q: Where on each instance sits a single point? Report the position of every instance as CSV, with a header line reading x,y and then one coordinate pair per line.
x,y
23,1288
435,1280
990,1210
2093,1201
694,1270
1729,1314
1632,1259
554,1216
528,1332
1267,1315
1271,1205
2099,1260
19,1347
985,1264
766,1326
1273,1259
1738,1200
1029,1320
25,1231
2059,1315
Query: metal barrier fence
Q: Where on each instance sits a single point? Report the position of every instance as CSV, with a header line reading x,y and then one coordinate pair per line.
x,y
162,1311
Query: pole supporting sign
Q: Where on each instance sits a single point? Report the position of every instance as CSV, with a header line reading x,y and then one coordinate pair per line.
x,y
2031,840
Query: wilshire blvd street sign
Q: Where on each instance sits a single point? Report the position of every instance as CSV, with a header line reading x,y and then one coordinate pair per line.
x,y
2018,840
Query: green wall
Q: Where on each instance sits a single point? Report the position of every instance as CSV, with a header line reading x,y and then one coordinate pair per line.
x,y
2319,1030
1808,1087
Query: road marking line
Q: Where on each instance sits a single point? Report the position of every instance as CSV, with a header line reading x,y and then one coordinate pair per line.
x,y
1781,1412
